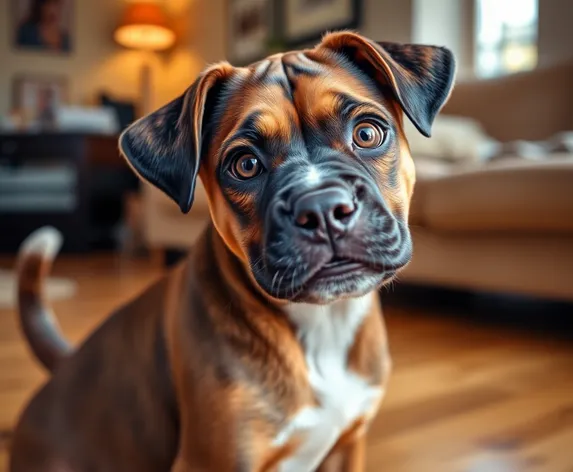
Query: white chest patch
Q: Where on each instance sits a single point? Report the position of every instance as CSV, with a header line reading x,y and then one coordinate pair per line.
x,y
326,334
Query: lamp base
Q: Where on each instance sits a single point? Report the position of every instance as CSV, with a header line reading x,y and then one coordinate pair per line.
x,y
146,89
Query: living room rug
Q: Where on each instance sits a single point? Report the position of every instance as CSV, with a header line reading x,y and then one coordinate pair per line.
x,y
54,289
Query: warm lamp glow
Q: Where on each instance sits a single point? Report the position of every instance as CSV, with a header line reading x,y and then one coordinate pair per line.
x,y
144,26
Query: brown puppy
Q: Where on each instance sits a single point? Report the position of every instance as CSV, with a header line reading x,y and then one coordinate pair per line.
x,y
265,350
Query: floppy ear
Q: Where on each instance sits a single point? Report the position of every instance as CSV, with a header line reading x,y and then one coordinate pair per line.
x,y
421,77
164,147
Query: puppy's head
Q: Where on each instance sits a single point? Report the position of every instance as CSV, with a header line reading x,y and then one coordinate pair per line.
x,y
304,159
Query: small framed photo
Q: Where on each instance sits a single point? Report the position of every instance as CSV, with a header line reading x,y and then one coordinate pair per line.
x,y
305,21
42,25
37,98
249,25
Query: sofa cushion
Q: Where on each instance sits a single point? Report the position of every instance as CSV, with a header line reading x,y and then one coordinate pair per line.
x,y
505,195
455,139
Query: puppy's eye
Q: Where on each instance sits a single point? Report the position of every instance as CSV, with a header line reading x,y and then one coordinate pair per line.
x,y
368,135
246,167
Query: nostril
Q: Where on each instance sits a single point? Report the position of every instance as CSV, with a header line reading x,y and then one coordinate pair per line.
x,y
308,220
343,211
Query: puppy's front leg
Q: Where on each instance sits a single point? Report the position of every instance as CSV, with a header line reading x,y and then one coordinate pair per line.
x,y
349,457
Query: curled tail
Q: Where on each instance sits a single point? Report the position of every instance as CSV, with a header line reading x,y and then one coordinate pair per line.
x,y
40,328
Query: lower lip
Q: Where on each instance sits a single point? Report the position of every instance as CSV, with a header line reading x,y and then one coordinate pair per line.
x,y
338,270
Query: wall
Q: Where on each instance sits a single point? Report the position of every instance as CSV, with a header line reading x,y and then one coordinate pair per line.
x,y
388,20
555,31
452,23
447,23
97,63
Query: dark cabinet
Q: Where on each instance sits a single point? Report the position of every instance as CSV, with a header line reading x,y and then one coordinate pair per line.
x,y
48,179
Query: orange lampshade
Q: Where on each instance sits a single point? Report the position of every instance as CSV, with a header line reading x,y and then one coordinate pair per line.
x,y
144,25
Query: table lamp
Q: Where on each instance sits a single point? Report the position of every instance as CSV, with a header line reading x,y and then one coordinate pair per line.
x,y
144,26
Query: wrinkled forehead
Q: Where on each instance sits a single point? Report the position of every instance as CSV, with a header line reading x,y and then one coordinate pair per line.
x,y
278,97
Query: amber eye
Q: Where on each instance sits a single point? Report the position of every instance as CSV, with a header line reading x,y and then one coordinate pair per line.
x,y
246,167
368,135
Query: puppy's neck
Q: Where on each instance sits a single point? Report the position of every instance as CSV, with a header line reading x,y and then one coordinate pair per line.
x,y
218,268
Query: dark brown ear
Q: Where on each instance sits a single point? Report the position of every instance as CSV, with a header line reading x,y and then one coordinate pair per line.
x,y
421,77
165,147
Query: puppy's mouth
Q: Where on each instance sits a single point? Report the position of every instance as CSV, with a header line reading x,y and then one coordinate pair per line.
x,y
340,277
338,266
321,274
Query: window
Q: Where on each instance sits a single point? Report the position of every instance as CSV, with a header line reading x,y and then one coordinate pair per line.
x,y
506,36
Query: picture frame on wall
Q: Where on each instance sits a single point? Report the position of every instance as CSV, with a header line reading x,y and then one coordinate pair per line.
x,y
36,98
249,30
305,21
42,25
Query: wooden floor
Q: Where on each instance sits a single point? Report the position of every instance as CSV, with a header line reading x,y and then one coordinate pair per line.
x,y
465,396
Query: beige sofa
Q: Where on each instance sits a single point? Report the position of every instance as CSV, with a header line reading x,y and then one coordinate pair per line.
x,y
504,226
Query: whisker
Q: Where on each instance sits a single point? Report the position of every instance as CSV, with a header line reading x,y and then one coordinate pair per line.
x,y
292,282
282,278
274,280
257,261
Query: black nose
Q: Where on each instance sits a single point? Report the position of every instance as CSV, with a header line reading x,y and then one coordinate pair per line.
x,y
328,211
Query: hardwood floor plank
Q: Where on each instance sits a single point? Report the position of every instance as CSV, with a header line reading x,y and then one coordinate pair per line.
x,y
545,457
401,419
507,371
474,432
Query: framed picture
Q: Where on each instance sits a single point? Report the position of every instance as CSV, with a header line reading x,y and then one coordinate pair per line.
x,y
248,30
42,25
37,98
305,21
